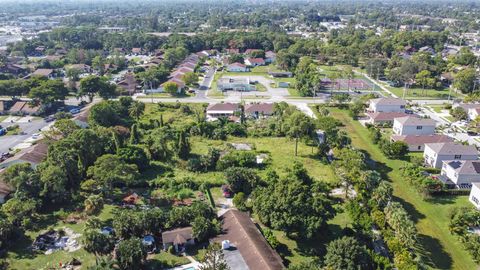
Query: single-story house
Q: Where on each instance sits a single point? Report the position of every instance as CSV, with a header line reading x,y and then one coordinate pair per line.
x,y
412,125
83,68
383,118
23,107
259,110
129,83
33,155
178,238
416,143
435,153
214,111
43,72
180,85
136,51
461,173
237,67
235,83
474,196
387,105
270,57
255,62
244,246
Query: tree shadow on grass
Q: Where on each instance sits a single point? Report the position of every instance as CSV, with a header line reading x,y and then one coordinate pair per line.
x,y
435,255
411,210
21,248
443,199
377,166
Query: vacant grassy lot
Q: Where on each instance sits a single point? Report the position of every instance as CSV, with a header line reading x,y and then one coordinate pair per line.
x,y
431,215
419,93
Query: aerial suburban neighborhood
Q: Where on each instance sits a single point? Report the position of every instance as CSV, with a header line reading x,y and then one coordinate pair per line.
x,y
242,135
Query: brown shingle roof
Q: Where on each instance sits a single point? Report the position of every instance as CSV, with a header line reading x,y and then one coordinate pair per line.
x,y
223,107
177,236
36,154
43,72
262,108
385,116
17,107
242,233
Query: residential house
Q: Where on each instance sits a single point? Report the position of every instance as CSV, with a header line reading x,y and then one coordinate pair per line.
x,y
383,118
129,83
416,143
215,111
33,155
82,68
237,67
259,110
255,62
235,84
180,86
178,238
270,57
23,107
427,49
412,125
435,153
387,105
3,106
243,244
14,69
460,173
44,72
474,196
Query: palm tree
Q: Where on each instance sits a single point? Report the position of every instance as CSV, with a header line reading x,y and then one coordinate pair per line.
x,y
136,109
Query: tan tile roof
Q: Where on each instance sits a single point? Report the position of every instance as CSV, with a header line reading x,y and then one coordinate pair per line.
x,y
177,236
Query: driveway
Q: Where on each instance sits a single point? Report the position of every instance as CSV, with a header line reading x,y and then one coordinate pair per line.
x,y
30,128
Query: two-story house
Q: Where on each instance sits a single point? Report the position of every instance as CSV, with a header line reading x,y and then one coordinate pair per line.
x,y
474,197
411,125
461,173
435,153
387,105
416,143
215,111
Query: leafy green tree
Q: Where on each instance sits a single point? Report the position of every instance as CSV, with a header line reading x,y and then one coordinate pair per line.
x,y
91,85
48,92
7,232
98,63
98,243
104,114
23,178
203,228
103,263
236,58
20,211
109,170
171,88
241,179
239,201
459,113
190,78
464,80
213,259
54,182
298,126
346,253
396,149
294,204
134,155
130,254
93,204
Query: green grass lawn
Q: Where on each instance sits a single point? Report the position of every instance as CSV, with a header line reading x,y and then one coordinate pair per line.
x,y
166,95
266,69
431,215
213,91
164,260
419,93
260,87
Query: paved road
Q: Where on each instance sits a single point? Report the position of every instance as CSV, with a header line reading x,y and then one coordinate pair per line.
x,y
10,141
201,93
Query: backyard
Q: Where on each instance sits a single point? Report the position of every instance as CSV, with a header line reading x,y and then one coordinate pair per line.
x,y
430,215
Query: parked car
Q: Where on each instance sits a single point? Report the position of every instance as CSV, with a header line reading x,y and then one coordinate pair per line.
x,y
49,118
75,111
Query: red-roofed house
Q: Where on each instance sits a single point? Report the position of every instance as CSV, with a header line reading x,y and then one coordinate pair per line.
x,y
255,62
382,118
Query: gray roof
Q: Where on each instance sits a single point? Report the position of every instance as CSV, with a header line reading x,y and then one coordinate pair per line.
x,y
389,101
464,166
450,148
415,121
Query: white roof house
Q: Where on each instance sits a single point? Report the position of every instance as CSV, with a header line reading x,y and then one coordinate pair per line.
x,y
435,153
214,111
387,105
461,173
411,125
474,196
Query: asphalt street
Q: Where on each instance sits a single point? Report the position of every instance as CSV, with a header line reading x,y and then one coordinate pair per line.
x,y
10,141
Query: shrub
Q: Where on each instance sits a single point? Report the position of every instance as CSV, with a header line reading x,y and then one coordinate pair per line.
x,y
239,201
246,159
